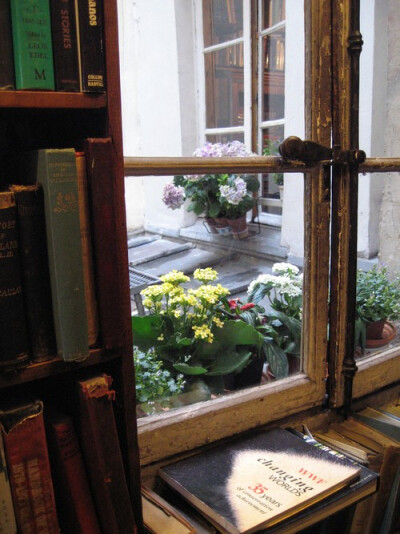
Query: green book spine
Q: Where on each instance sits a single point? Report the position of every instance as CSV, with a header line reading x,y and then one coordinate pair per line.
x,y
33,53
56,171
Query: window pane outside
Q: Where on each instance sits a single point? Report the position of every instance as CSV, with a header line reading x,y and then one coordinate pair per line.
x,y
273,12
222,21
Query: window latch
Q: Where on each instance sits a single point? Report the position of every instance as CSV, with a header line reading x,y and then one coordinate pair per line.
x,y
294,148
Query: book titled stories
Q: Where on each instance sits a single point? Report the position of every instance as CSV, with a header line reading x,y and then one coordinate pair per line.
x,y
33,50
256,482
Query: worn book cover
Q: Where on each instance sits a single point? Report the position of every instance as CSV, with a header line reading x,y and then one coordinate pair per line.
x,y
160,517
256,482
35,270
8,524
22,427
33,51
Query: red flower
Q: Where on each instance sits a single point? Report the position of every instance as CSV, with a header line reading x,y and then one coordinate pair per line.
x,y
247,306
233,304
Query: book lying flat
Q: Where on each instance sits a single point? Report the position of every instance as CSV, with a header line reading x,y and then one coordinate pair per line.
x,y
256,482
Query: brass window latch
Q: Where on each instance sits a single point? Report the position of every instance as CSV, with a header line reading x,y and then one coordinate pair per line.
x,y
294,148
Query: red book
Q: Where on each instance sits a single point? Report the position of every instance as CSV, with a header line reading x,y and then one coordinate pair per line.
x,y
102,455
77,513
29,468
106,221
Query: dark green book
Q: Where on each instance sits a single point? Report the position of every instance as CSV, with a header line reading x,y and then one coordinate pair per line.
x,y
33,52
56,170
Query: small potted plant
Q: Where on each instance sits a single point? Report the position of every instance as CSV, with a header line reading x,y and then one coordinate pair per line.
x,y
377,303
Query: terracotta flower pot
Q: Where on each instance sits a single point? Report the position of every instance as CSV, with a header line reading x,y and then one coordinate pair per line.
x,y
239,227
222,226
210,225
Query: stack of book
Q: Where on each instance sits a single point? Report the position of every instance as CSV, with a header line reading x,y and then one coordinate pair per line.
x,y
62,471
54,257
55,45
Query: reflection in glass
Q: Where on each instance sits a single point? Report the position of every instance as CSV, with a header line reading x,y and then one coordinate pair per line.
x,y
225,138
272,183
273,12
222,21
224,87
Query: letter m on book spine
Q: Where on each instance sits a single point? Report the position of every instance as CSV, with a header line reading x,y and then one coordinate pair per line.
x,y
56,171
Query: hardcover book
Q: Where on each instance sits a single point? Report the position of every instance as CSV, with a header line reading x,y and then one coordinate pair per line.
x,y
23,431
102,456
56,170
35,270
7,81
14,344
89,16
259,481
33,51
74,500
65,45
7,516
106,220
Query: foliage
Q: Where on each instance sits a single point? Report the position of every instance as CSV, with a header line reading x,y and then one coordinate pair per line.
x,y
215,195
190,330
152,380
271,148
281,325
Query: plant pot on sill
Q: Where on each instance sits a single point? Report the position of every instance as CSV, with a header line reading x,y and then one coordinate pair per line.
x,y
239,227
222,226
210,225
379,333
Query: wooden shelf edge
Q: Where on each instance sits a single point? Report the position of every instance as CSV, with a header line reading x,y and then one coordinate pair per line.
x,y
53,367
52,100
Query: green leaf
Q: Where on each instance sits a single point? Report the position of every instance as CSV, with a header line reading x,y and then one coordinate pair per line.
x,y
189,369
214,209
146,330
229,362
276,359
237,333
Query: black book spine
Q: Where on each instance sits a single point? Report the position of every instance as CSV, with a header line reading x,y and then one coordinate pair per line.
x,y
35,271
7,81
65,45
14,344
90,31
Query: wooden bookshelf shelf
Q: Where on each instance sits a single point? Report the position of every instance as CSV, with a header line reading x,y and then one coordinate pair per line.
x,y
52,100
53,367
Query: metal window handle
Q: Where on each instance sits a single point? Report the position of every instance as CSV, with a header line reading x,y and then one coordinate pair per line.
x,y
294,148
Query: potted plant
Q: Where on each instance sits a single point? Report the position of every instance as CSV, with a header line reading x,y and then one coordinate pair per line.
x,y
377,303
217,196
189,329
280,324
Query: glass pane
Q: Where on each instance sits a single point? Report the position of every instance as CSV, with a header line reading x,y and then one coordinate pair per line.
x,y
273,104
273,12
225,138
378,278
222,21
272,183
224,87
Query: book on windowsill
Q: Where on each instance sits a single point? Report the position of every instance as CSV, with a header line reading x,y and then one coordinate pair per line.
x,y
259,481
380,421
98,436
25,443
55,170
8,524
74,500
35,270
7,81
14,344
33,51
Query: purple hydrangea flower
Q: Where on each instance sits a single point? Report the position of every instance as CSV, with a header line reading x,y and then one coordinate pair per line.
x,y
234,194
173,196
231,149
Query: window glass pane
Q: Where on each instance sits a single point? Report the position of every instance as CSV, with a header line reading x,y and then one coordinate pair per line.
x,y
272,183
222,21
224,87
273,12
225,138
273,83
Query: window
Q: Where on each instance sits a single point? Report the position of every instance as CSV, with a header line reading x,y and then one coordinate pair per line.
x,y
330,202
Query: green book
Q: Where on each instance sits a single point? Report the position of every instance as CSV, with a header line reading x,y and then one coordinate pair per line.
x,y
56,170
33,53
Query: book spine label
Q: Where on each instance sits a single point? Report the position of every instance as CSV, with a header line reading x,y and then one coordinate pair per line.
x,y
74,500
30,475
35,271
87,252
33,52
14,344
56,171
7,81
7,516
65,46
91,45
101,188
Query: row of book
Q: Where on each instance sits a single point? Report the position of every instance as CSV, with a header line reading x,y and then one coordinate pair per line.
x,y
52,45
64,472
345,478
58,294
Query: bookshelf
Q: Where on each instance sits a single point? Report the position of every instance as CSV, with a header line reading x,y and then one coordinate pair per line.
x,y
42,119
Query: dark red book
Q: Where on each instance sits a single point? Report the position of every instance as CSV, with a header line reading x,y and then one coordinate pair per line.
x,y
65,45
29,468
102,455
105,225
75,506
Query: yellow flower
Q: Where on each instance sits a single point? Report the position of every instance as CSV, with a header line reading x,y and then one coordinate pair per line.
x,y
203,332
205,275
175,277
147,303
155,292
217,321
161,338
